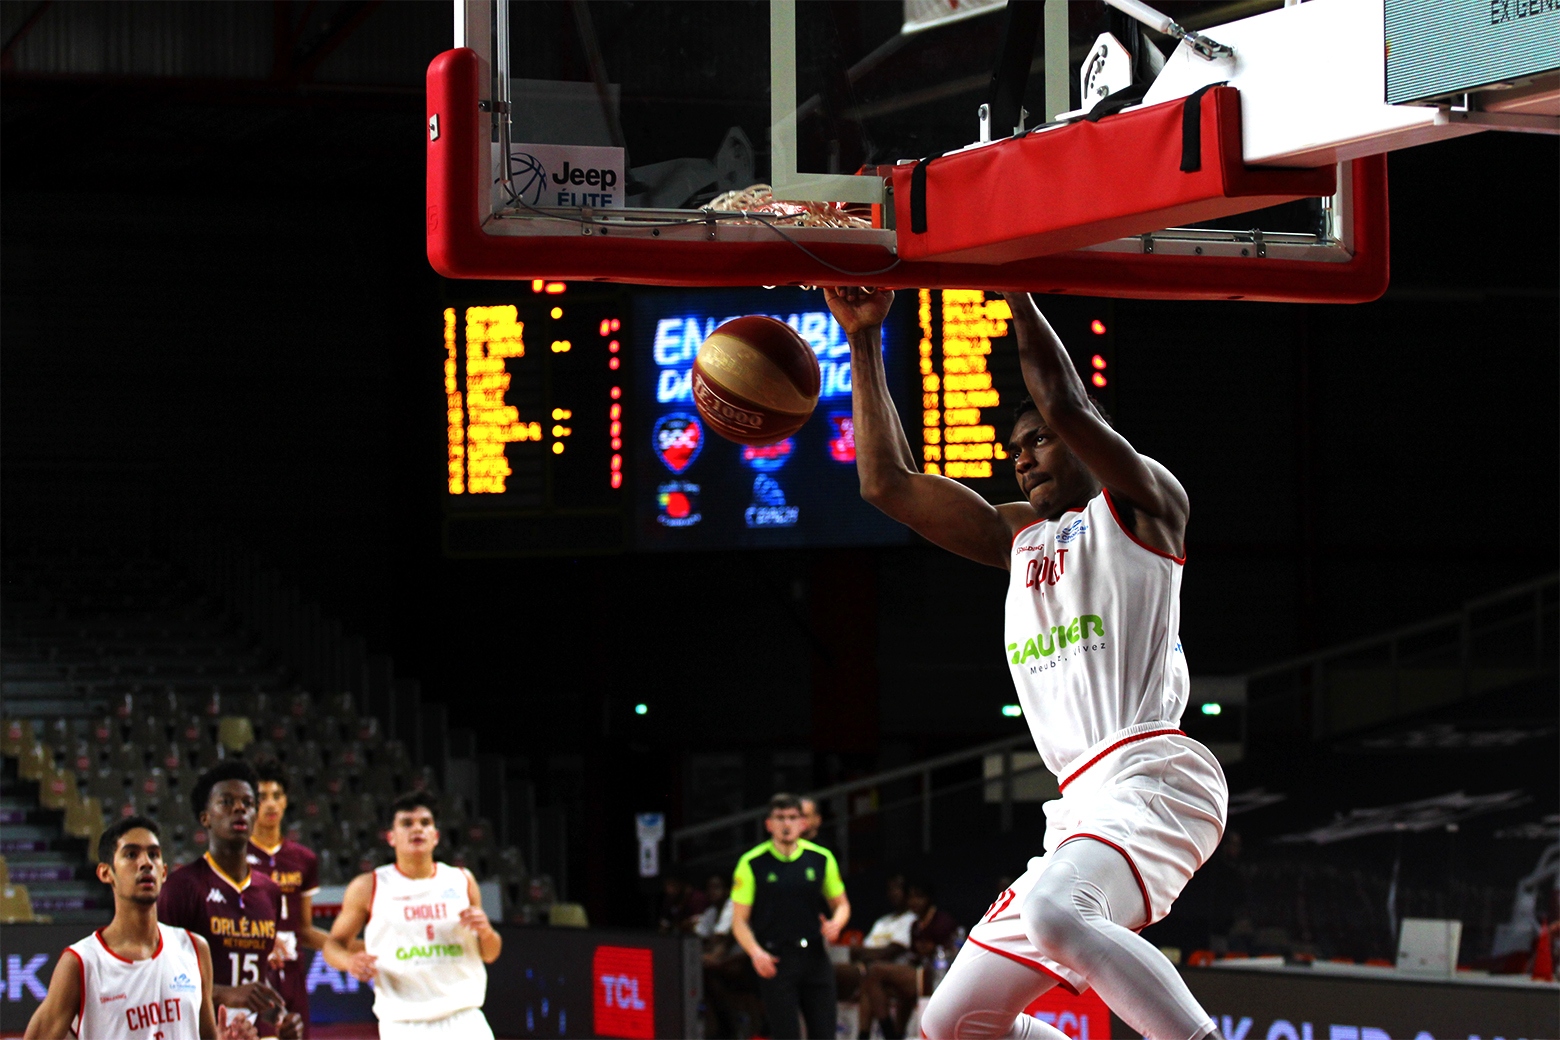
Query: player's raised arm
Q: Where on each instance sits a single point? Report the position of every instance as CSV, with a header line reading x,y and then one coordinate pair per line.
x,y
355,907
940,510
1067,412
53,1018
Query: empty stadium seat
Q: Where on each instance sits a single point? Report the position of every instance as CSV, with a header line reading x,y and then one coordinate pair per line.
x,y
57,788
127,757
33,759
568,915
15,905
235,733
17,735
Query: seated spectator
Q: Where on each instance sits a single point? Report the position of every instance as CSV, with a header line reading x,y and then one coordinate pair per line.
x,y
889,940
890,990
681,905
537,905
715,921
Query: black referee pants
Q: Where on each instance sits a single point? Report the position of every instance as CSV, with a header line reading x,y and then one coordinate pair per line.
x,y
803,987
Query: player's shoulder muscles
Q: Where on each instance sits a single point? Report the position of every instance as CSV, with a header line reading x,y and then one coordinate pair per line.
x,y
473,890
63,1001
356,905
360,892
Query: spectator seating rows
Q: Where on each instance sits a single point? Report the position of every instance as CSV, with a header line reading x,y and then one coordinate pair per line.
x,y
123,681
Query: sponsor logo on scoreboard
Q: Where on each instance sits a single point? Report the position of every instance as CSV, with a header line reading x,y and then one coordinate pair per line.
x,y
842,437
766,458
678,438
769,508
677,503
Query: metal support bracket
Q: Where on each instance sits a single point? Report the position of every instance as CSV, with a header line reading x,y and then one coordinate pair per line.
x,y
1163,23
1513,121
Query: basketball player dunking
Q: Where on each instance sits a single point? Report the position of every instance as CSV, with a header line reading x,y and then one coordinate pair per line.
x,y
427,938
232,907
296,871
1094,552
135,977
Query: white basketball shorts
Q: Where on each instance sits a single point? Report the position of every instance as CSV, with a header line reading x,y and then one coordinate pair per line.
x,y
459,1026
1151,793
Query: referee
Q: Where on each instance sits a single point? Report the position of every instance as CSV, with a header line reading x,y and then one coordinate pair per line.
x,y
778,896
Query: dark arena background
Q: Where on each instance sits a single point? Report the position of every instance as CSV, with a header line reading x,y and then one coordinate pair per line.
x,y
232,526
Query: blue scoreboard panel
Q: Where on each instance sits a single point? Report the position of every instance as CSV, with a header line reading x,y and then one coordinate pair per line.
x,y
570,425
695,490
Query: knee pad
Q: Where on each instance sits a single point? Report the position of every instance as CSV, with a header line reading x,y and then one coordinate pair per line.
x,y
947,1019
1057,913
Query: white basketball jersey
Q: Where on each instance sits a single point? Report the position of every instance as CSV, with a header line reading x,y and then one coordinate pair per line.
x,y
1092,632
429,964
154,999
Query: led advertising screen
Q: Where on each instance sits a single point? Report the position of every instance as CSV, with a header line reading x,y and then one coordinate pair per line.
x,y
694,490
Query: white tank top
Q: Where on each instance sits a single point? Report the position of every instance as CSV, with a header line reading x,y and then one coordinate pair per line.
x,y
1093,633
154,999
429,963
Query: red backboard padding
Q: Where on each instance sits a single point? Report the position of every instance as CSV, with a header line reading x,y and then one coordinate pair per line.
x,y
1087,183
460,247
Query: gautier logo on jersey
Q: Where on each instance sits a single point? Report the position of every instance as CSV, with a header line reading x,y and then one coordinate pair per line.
x,y
625,992
411,953
1057,637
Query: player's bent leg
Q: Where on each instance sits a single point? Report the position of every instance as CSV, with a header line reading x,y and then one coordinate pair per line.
x,y
1080,913
983,997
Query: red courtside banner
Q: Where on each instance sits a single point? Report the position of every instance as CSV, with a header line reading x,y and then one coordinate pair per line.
x,y
623,978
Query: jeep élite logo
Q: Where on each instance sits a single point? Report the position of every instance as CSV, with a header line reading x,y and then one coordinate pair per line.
x,y
1057,637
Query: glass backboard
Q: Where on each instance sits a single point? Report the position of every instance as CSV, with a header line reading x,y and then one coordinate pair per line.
x,y
771,124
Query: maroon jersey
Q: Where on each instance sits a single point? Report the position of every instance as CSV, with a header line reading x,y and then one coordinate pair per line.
x,y
296,871
237,920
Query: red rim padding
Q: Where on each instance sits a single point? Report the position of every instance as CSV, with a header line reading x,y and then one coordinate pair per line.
x,y
459,248
1092,182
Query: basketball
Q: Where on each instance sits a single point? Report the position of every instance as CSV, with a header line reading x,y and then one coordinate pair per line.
x,y
755,380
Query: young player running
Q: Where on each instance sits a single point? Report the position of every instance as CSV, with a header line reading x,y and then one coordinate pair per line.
x,y
232,907
296,871
1094,552
134,977
427,937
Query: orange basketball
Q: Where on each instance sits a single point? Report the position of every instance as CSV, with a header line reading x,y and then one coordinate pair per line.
x,y
755,380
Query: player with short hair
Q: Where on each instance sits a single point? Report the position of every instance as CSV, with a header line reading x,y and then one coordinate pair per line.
x,y
427,938
1094,553
135,977
296,870
233,907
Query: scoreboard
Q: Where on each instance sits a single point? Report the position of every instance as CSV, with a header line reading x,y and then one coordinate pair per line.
x,y
570,426
535,410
